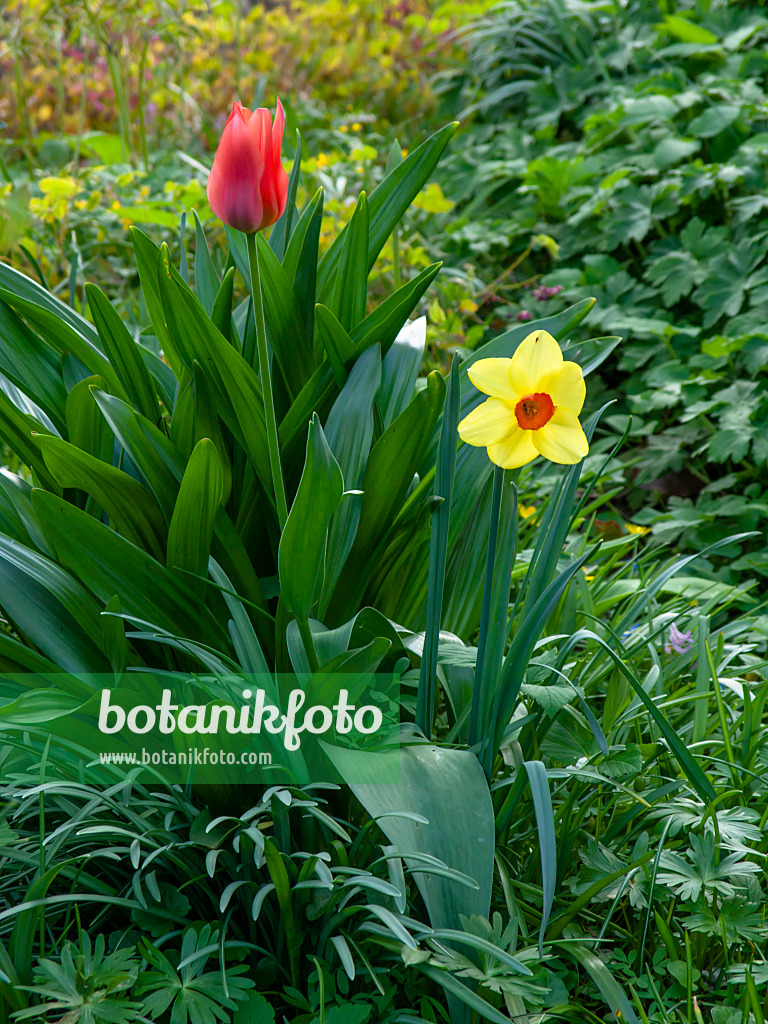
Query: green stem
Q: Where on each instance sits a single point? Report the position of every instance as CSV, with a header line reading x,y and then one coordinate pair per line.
x,y
266,382
309,644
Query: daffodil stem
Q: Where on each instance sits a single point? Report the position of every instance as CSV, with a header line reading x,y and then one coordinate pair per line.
x,y
485,614
266,382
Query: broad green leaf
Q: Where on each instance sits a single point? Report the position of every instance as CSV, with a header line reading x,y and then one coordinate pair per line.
x,y
18,430
147,256
109,565
155,457
389,473
448,788
206,279
545,827
236,386
123,353
25,288
383,325
283,229
387,204
191,529
348,299
349,430
340,348
302,551
300,263
31,364
286,328
400,369
221,313
132,509
50,608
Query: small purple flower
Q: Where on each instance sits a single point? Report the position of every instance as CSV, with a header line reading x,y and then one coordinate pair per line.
x,y
678,642
523,315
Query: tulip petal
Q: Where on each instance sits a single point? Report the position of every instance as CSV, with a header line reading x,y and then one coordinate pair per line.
x,y
515,450
491,376
537,358
260,125
488,424
233,184
568,389
562,440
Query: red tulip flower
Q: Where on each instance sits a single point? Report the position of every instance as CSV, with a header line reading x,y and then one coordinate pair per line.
x,y
248,185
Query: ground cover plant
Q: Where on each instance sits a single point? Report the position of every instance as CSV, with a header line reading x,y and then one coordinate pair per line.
x,y
249,452
629,142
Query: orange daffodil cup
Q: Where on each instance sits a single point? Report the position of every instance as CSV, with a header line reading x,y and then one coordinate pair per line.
x,y
248,191
533,406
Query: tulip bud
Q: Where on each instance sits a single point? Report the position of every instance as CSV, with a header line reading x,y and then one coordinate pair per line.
x,y
248,185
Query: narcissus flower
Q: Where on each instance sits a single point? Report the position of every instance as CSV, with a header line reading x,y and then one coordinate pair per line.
x,y
248,185
533,407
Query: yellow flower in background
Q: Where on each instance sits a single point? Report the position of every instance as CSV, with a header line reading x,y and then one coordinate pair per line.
x,y
639,530
533,407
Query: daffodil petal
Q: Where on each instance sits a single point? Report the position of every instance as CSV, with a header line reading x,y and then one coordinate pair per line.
x,y
488,423
515,450
537,357
562,440
492,377
568,390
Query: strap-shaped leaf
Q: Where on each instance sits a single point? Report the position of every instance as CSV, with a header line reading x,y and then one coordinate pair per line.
x,y
123,353
31,364
206,278
147,256
300,263
108,564
191,529
236,386
301,555
389,473
387,204
132,509
350,289
19,429
283,229
50,608
382,326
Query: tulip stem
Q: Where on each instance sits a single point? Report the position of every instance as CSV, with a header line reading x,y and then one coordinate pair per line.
x,y
266,382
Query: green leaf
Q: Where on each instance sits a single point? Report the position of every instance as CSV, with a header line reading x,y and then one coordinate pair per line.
x,y
147,256
714,120
221,312
350,289
109,565
283,229
386,205
20,432
400,369
31,364
300,263
206,279
302,551
382,326
123,353
349,430
389,473
545,826
154,456
191,529
446,787
611,991
336,341
86,426
236,386
131,508
50,608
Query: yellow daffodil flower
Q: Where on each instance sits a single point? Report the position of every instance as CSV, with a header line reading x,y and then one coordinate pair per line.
x,y
533,406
